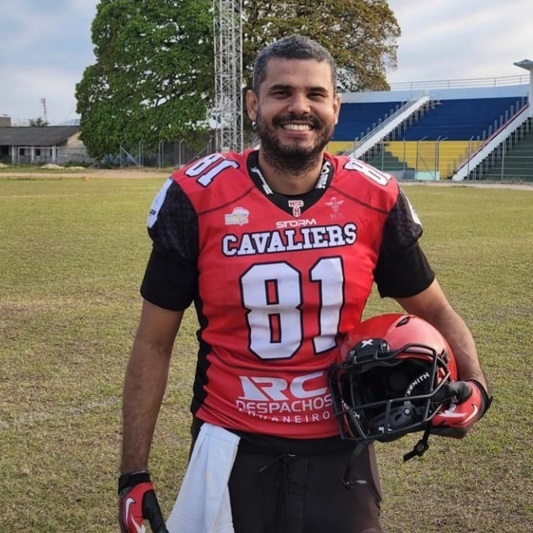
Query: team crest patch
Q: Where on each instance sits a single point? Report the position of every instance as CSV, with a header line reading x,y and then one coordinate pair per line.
x,y
296,206
335,205
238,217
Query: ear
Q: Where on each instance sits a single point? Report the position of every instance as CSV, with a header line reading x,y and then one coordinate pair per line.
x,y
337,107
252,103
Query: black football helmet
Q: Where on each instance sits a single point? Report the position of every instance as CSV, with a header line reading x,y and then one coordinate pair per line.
x,y
388,382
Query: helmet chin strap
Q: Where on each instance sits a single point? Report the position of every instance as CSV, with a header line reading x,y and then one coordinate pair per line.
x,y
420,447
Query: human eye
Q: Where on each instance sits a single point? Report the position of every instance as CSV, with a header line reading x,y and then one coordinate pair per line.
x,y
280,92
317,95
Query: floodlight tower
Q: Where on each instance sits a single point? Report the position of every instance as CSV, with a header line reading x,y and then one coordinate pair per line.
x,y
228,74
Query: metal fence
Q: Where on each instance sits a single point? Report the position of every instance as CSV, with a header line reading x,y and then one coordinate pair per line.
x,y
166,155
422,160
170,155
434,160
506,163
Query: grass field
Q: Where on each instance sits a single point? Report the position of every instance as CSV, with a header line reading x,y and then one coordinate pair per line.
x,y
72,253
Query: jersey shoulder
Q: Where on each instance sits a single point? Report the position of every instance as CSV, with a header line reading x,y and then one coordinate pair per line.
x,y
216,176
203,185
369,185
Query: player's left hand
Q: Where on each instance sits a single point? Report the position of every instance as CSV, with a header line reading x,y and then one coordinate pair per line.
x,y
137,502
467,402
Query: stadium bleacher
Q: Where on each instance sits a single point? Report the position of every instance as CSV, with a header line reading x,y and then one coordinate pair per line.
x,y
463,119
357,119
433,143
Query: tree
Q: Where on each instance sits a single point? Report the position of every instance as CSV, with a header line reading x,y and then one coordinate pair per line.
x,y
38,122
360,34
153,76
153,79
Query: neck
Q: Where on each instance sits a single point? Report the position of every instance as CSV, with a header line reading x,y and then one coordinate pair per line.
x,y
289,179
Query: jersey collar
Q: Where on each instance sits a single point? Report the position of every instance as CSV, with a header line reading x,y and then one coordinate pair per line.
x,y
293,204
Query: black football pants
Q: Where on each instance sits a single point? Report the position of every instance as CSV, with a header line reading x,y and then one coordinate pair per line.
x,y
304,493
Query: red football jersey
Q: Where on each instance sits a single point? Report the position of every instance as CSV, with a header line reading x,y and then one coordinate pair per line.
x,y
277,281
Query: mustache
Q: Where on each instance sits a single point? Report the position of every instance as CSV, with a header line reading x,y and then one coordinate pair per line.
x,y
292,117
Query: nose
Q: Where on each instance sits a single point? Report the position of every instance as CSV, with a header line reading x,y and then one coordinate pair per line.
x,y
299,103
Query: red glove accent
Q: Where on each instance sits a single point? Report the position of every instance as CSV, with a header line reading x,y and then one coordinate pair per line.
x,y
468,403
138,502
131,512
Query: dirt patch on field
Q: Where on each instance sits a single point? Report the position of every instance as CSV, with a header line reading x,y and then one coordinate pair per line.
x,y
485,185
89,173
132,173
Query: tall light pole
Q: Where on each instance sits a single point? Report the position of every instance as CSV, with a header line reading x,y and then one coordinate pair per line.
x,y
228,75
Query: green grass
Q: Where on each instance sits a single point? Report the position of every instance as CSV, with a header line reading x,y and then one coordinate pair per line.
x,y
72,255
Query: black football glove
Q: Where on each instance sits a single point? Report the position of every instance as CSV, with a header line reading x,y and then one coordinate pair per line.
x,y
465,402
137,502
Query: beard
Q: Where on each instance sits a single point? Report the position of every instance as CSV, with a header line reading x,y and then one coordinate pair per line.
x,y
294,157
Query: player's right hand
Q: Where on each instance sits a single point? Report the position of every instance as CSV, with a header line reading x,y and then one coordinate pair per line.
x,y
138,502
467,402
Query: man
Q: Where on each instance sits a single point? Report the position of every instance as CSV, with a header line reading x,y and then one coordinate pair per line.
x,y
278,249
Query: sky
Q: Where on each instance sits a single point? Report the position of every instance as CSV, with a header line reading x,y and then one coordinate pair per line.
x,y
46,45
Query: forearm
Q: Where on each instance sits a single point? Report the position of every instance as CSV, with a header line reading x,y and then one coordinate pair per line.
x,y
456,332
432,306
144,387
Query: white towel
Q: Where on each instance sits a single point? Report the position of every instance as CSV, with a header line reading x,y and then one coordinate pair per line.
x,y
203,504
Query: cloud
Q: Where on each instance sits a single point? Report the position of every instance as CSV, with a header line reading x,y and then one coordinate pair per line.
x,y
43,56
52,84
451,39
46,45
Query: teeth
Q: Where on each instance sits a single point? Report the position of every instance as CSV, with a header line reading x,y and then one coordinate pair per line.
x,y
297,127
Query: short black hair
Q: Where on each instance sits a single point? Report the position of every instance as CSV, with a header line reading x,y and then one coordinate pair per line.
x,y
291,47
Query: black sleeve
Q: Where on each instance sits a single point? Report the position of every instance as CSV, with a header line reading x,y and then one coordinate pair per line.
x,y
402,269
170,279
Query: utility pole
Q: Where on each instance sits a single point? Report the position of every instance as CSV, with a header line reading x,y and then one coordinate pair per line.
x,y
45,115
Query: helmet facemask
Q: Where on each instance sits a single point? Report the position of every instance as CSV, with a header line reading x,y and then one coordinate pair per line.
x,y
383,394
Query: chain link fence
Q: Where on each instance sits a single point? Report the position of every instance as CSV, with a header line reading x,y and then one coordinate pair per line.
x,y
421,160
434,160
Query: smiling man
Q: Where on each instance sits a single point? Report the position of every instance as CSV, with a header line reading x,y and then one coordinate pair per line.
x,y
295,107
278,249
